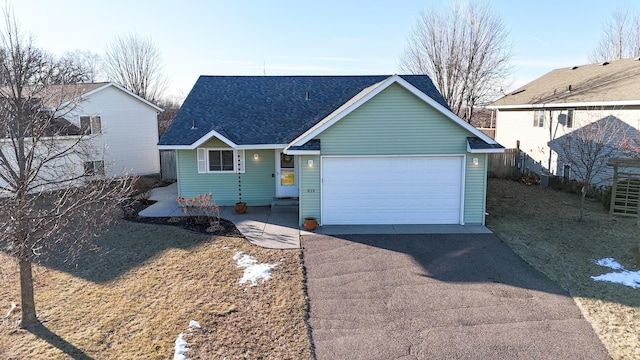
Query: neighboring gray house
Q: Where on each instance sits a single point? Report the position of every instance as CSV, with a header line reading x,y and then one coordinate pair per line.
x,y
352,149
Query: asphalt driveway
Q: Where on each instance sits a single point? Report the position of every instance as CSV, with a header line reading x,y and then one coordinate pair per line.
x,y
437,297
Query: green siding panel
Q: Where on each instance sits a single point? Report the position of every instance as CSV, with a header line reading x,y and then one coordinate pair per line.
x,y
258,184
215,143
395,122
309,201
475,189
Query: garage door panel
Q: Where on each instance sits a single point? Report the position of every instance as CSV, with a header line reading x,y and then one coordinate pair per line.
x,y
392,190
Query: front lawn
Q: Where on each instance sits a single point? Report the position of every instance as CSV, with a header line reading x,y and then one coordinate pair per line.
x,y
540,225
139,288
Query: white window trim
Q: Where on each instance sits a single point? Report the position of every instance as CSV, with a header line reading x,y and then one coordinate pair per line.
x,y
202,155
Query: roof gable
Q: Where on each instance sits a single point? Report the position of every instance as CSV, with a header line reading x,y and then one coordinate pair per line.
x,y
97,87
62,95
251,110
374,90
615,83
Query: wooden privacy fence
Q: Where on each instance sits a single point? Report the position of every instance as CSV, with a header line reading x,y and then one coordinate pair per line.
x,y
505,165
168,164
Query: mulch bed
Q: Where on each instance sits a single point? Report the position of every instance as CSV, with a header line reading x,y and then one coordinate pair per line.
x,y
132,207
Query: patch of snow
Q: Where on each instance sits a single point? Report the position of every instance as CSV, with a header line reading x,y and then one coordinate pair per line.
x,y
181,344
626,278
611,263
180,348
194,324
253,271
623,277
13,307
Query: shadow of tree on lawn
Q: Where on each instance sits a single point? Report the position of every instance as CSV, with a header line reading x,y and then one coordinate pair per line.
x,y
125,246
63,345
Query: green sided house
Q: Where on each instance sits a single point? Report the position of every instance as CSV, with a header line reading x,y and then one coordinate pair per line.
x,y
351,149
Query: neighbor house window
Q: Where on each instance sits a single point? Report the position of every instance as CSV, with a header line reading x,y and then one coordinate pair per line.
x,y
91,125
92,168
538,118
570,118
212,160
566,172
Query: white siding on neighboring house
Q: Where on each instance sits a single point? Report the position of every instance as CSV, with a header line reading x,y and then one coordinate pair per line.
x,y
518,125
58,170
129,131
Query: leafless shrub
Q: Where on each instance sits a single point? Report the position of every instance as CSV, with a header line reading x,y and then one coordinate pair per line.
x,y
202,209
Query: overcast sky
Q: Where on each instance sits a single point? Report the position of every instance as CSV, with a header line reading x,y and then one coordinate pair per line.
x,y
304,37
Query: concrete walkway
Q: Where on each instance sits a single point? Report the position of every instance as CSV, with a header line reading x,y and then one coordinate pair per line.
x,y
280,230
259,225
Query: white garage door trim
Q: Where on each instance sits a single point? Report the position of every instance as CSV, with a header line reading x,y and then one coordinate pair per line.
x,y
360,182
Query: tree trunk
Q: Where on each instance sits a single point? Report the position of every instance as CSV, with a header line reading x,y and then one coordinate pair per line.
x,y
583,194
26,292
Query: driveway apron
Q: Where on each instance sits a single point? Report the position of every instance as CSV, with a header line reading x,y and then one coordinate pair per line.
x,y
461,296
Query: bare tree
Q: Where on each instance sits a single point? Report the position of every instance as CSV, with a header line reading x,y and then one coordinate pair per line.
x,y
136,63
588,149
465,52
52,202
620,37
171,107
78,66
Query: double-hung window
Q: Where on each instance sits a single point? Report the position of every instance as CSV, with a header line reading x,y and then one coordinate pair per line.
x,y
91,125
538,118
218,160
93,168
221,160
570,118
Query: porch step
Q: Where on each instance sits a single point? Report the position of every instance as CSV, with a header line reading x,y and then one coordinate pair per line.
x,y
284,205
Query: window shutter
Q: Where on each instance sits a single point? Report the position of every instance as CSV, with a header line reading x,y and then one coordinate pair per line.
x,y
202,161
240,154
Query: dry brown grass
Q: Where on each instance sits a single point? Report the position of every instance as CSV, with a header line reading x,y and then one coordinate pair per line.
x,y
541,226
140,287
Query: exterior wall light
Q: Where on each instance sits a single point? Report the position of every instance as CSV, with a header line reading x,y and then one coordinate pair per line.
x,y
256,156
475,161
310,162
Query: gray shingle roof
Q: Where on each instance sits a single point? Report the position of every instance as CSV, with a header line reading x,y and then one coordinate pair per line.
x,y
476,143
313,144
269,109
616,81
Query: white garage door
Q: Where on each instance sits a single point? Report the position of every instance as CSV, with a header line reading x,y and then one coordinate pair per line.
x,y
392,190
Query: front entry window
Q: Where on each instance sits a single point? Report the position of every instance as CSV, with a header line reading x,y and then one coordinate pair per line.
x,y
287,170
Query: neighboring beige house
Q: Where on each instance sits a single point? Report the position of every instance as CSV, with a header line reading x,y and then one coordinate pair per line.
x,y
563,100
